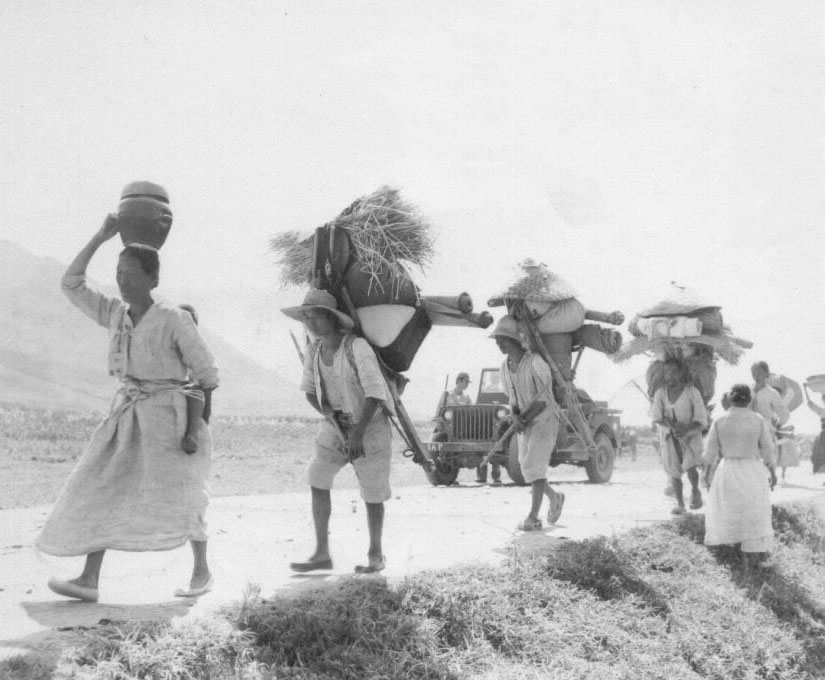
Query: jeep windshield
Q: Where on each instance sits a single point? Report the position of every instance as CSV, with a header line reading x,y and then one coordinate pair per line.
x,y
490,389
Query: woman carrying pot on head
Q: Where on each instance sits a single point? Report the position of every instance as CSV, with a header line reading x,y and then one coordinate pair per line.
x,y
739,502
135,488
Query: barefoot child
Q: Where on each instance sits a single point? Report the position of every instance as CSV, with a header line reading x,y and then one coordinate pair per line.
x,y
195,403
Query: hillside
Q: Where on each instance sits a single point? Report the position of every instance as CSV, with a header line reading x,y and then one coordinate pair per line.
x,y
52,355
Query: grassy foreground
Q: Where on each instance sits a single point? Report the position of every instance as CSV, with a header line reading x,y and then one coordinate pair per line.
x,y
652,603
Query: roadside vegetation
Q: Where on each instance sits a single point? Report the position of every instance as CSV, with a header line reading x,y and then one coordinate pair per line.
x,y
652,603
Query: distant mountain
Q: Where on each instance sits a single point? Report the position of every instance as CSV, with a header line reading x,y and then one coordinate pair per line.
x,y
53,355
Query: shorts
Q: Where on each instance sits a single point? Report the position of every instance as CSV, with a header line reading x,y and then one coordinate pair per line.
x,y
372,470
535,447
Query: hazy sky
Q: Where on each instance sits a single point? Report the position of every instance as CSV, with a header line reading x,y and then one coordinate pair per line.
x,y
625,144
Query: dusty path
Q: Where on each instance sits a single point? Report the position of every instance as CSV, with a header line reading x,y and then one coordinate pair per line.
x,y
255,537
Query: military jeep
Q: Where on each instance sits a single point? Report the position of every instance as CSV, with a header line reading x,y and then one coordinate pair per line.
x,y
463,435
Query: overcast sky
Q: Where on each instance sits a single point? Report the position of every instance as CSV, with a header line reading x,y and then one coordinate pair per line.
x,y
625,144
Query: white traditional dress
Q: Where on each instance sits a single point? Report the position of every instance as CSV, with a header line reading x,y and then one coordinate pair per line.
x,y
530,380
134,488
739,502
688,408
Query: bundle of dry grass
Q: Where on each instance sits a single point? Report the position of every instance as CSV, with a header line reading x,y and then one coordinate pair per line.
x,y
294,255
386,233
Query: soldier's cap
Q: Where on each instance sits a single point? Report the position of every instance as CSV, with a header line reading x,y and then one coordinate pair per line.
x,y
463,376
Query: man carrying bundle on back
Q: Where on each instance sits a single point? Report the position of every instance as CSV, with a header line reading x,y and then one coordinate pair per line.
x,y
680,413
527,380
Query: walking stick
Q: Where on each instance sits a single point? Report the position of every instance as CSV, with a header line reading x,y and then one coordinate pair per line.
x,y
536,407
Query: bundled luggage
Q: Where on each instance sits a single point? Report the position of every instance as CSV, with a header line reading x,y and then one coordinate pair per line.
x,y
363,258
687,327
558,315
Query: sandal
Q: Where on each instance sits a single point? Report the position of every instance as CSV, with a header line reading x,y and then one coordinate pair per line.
x,y
375,565
529,525
556,505
315,565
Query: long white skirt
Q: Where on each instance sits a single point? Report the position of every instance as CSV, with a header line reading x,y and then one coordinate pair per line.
x,y
134,488
739,506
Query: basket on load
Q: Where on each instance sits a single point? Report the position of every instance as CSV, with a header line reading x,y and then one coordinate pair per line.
x,y
558,315
363,257
687,327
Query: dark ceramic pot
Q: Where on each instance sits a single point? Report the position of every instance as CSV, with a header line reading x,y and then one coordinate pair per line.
x,y
144,214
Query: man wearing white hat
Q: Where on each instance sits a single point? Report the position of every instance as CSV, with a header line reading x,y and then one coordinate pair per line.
x,y
527,379
344,383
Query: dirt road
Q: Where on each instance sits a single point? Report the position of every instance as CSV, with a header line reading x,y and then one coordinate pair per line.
x,y
253,539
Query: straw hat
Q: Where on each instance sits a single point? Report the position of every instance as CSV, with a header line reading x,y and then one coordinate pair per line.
x,y
318,299
507,327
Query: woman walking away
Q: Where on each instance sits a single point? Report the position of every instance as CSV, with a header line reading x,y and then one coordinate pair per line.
x,y
135,488
739,503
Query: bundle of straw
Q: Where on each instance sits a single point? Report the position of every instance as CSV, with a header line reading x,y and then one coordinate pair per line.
x,y
385,231
294,255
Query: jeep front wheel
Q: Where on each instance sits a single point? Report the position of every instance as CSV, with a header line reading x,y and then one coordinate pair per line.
x,y
442,474
513,466
600,465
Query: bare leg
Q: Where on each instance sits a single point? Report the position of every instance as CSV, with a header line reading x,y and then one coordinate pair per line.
x,y
538,489
91,570
321,511
375,523
678,493
200,570
693,476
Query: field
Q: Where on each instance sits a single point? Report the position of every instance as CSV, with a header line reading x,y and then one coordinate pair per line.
x,y
39,447
252,455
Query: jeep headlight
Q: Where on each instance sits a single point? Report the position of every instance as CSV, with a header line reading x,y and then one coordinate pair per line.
x,y
448,415
502,413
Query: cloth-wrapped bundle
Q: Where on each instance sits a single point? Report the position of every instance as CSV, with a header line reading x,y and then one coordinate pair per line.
x,y
558,314
702,374
682,324
604,340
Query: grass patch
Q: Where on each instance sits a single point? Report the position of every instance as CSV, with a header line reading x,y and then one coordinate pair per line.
x,y
653,603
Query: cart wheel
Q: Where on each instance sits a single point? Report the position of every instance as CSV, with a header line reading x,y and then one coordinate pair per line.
x,y
442,474
513,467
600,465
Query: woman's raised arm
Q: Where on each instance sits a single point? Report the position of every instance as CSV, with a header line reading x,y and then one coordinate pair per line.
x,y
81,261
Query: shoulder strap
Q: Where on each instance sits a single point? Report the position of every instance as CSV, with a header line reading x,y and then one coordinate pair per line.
x,y
349,338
